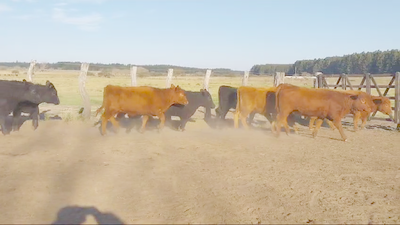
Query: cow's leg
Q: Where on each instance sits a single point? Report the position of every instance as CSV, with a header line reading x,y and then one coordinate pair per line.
x,y
251,117
331,125
183,123
3,125
104,120
16,119
236,119
282,120
364,117
317,126
145,118
221,117
338,125
243,118
35,117
311,124
114,123
356,118
162,121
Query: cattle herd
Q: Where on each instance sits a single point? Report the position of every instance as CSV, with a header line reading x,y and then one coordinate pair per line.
x,y
278,104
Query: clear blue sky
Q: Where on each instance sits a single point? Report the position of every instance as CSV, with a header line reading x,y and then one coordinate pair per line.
x,y
232,34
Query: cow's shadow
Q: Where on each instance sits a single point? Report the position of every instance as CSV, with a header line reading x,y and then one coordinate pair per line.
x,y
135,123
23,119
261,123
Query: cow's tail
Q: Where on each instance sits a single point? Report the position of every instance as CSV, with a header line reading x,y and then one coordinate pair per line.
x,y
99,110
277,99
237,110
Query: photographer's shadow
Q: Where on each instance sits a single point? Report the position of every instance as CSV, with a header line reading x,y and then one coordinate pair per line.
x,y
77,215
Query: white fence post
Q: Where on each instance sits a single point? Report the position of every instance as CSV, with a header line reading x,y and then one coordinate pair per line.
x,y
133,76
169,77
31,71
279,78
245,78
207,79
82,88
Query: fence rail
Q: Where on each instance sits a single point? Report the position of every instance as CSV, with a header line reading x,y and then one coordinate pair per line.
x,y
368,83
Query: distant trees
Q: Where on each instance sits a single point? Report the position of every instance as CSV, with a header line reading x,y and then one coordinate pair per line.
x,y
357,63
270,68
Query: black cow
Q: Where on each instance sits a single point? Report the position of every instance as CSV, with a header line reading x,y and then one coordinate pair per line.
x,y
196,100
227,97
14,92
26,107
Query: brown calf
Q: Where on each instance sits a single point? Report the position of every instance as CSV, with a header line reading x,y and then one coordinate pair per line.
x,y
134,101
320,103
381,104
251,100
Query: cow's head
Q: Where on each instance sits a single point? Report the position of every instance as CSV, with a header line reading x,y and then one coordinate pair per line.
x,y
178,95
207,99
42,93
383,105
361,102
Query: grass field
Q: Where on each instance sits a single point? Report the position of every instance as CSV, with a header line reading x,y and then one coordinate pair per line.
x,y
67,86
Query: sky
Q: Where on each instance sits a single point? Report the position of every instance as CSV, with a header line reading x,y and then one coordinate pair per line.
x,y
235,34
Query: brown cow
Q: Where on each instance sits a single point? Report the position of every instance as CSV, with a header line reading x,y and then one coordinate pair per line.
x,y
143,100
320,103
381,104
252,100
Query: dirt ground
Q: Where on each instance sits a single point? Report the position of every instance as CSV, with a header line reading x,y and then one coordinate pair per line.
x,y
68,172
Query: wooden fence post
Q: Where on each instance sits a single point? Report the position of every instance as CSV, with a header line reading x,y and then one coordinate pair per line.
x,y
207,79
319,80
344,76
368,83
169,77
133,76
397,100
245,78
82,88
279,78
31,71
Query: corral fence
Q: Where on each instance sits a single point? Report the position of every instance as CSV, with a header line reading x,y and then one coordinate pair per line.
x,y
369,83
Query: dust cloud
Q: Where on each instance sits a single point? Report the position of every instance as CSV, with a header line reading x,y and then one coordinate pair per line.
x,y
202,175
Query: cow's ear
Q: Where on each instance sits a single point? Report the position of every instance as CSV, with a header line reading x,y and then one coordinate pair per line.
x,y
172,86
377,101
354,97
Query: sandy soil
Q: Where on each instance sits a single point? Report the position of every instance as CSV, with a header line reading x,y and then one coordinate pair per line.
x,y
67,172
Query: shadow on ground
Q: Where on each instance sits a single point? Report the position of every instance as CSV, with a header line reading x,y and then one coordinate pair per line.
x,y
78,214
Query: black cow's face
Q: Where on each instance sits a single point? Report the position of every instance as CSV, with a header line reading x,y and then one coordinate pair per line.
x,y
208,102
43,93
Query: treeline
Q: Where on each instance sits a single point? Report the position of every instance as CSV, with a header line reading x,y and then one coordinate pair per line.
x,y
358,63
108,67
377,62
270,68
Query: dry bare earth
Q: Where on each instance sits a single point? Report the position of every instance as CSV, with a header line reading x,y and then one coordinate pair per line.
x,y
202,175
